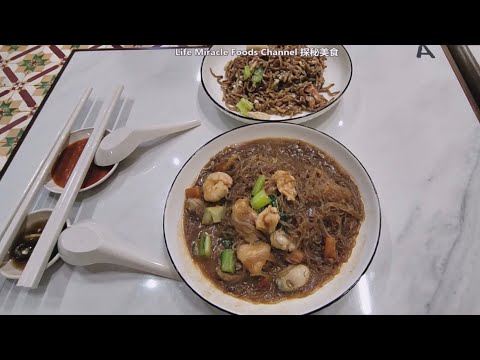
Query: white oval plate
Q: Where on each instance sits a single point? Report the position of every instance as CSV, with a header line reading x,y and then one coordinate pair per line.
x,y
350,272
75,136
339,71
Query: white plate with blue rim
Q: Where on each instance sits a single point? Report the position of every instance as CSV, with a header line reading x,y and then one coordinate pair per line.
x,y
338,72
350,272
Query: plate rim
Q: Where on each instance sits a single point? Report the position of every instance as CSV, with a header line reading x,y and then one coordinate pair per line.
x,y
279,120
266,124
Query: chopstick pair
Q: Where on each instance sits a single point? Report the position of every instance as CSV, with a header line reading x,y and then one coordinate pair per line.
x,y
37,262
12,225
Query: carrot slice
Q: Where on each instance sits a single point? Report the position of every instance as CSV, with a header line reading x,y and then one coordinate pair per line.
x,y
295,257
193,193
264,282
330,250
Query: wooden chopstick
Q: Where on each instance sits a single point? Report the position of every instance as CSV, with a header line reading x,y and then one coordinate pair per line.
x,y
15,221
37,262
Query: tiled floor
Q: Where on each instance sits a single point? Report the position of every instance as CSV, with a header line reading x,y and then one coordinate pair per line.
x,y
26,74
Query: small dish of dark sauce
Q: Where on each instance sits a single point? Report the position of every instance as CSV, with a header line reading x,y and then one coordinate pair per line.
x,y
24,243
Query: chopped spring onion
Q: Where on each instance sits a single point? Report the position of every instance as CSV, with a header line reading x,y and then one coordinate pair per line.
x,y
227,260
227,243
217,212
274,202
244,106
213,215
205,245
195,249
260,200
257,76
283,217
247,72
260,210
207,218
259,183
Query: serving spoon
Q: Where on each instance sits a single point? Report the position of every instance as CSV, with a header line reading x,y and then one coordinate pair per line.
x,y
120,143
89,242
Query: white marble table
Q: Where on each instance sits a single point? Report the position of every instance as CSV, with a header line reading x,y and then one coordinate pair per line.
x,y
406,119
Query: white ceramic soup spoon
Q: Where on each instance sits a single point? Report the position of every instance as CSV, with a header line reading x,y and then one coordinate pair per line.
x,y
88,243
120,143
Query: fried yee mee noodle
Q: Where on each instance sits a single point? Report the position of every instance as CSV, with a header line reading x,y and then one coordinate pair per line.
x,y
258,85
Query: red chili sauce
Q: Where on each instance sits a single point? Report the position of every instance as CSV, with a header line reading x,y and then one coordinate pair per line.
x,y
63,167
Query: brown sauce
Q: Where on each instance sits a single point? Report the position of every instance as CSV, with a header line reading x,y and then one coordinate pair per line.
x,y
66,162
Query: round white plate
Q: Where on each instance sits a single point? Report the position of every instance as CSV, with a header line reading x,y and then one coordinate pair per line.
x,y
350,272
338,71
75,136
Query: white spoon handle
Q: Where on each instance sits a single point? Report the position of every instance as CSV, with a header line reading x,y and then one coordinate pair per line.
x,y
127,258
155,132
89,243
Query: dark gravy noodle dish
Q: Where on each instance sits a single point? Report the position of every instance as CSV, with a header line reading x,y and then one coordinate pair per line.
x,y
271,219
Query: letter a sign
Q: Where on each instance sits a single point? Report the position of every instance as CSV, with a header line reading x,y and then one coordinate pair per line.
x,y
424,50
